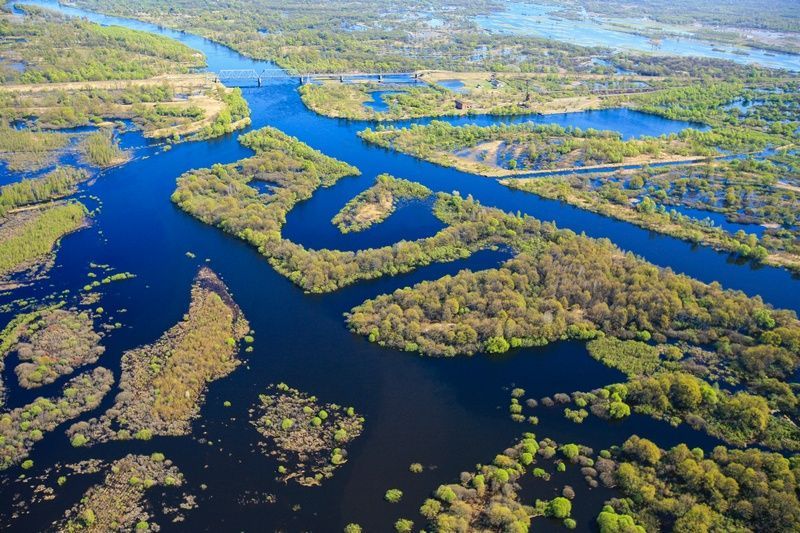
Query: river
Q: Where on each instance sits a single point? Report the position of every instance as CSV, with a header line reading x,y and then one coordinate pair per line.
x,y
445,413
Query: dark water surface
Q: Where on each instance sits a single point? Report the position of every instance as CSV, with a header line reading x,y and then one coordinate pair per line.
x,y
444,413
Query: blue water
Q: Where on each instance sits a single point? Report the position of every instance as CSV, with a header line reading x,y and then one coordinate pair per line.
x,y
378,104
718,219
537,20
447,413
456,86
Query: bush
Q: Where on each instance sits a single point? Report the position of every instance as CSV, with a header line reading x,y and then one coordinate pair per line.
x,y
497,345
404,525
78,440
559,507
393,495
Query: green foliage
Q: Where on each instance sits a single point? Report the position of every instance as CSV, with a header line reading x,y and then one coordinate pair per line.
x,y
89,51
497,345
728,490
102,150
393,495
59,182
404,525
545,147
631,357
23,149
559,507
343,37
36,233
570,451
610,522
744,190
310,449
78,440
430,508
375,204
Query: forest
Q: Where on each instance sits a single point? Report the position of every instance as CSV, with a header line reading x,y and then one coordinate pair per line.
x,y
90,52
724,490
379,37
716,364
525,148
569,286
69,72
220,196
60,182
30,236
759,193
25,150
102,150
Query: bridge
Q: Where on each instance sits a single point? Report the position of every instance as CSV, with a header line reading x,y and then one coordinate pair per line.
x,y
274,73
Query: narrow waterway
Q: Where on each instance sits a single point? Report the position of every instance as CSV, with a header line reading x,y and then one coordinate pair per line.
x,y
444,413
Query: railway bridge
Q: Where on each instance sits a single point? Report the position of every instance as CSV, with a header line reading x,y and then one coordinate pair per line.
x,y
274,73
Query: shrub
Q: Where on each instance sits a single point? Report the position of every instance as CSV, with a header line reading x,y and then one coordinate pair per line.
x,y
78,440
404,525
393,495
559,507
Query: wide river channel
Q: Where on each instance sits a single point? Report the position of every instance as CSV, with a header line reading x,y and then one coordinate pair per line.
x,y
447,414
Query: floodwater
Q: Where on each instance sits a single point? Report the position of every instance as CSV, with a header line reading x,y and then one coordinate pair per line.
x,y
538,20
447,414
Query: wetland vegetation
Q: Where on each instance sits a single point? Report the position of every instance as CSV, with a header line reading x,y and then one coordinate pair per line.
x,y
375,204
89,52
54,344
27,238
635,347
488,499
163,384
99,74
519,149
119,501
22,427
60,182
756,198
307,437
725,489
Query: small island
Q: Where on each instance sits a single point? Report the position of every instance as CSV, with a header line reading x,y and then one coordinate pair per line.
x,y
119,502
307,437
54,344
163,384
22,427
375,204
